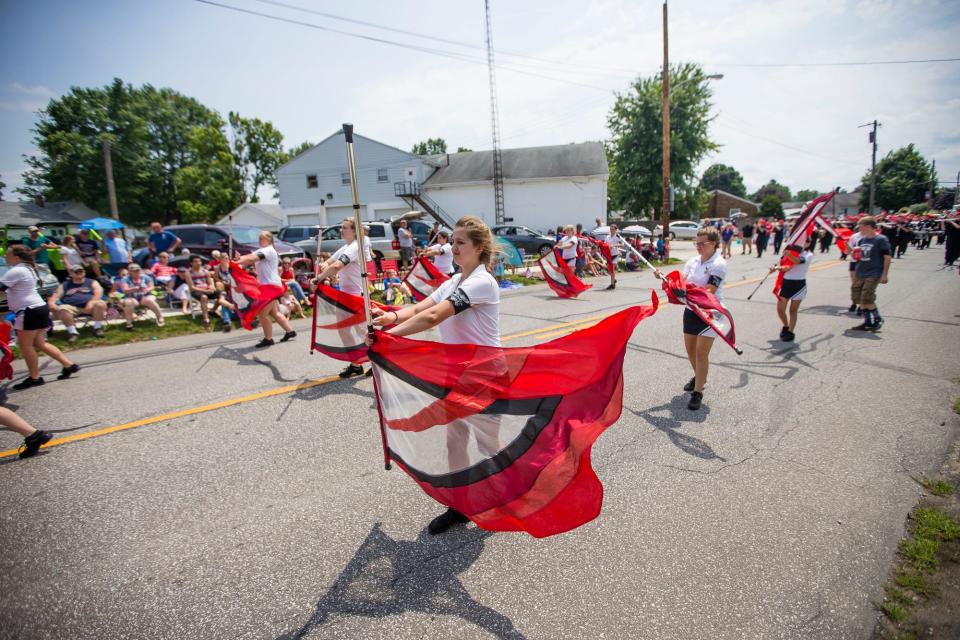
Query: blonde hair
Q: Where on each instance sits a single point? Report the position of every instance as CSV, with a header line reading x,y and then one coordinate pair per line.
x,y
569,227
267,235
480,236
711,233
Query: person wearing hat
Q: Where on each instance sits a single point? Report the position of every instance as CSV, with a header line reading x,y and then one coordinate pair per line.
x,y
77,295
38,245
137,288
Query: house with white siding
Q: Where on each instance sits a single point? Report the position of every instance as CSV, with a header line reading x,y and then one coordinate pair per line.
x,y
543,186
262,215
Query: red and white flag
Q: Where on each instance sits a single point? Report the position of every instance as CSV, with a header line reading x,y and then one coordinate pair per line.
x,y
6,354
560,276
249,295
503,435
424,278
841,234
805,224
340,324
790,258
704,304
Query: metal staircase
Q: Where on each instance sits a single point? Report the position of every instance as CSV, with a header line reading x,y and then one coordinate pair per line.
x,y
413,195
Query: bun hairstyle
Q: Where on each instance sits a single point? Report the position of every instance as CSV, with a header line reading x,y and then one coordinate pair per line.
x,y
26,255
479,234
267,235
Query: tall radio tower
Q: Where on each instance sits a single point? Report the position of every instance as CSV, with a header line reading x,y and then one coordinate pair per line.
x,y
495,121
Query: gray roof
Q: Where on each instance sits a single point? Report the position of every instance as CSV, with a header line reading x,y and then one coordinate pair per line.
x,y
27,213
734,197
560,161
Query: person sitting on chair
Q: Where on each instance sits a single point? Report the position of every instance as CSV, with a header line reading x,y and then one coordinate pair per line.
x,y
137,289
89,251
78,295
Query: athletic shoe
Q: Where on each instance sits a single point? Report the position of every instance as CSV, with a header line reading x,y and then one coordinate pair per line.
x,y
446,520
352,370
696,399
28,382
689,386
853,309
787,337
33,442
66,372
98,332
227,328
861,327
875,326
611,287
72,337
289,335
266,342
783,333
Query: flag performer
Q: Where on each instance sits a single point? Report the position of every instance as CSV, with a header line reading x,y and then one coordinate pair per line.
x,y
791,287
268,294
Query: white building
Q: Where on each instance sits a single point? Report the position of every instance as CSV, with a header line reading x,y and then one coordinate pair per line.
x,y
543,186
266,216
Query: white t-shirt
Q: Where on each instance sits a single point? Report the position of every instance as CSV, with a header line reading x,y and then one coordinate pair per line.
x,y
350,273
601,233
21,283
405,236
568,245
712,271
799,271
268,266
614,243
476,303
71,257
443,260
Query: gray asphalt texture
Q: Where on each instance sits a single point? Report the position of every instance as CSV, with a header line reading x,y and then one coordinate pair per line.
x,y
774,512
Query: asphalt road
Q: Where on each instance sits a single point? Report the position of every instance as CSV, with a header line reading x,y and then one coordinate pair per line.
x,y
774,512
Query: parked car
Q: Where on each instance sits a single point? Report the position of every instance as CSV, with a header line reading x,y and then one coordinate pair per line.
x,y
384,242
202,239
525,238
682,229
49,282
296,233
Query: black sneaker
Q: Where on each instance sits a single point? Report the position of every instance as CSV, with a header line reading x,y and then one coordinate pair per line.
x,y
446,520
66,372
875,326
787,336
351,370
227,328
861,327
690,385
696,399
783,333
611,287
853,309
289,335
266,342
33,442
28,382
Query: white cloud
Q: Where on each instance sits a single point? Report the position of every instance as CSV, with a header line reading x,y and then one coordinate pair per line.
x,y
36,90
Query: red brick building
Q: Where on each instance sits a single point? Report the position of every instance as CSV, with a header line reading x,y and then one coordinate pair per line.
x,y
721,204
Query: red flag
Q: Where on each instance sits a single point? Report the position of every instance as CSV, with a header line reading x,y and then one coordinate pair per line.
x,y
840,234
503,435
6,361
249,295
607,255
340,325
560,276
804,225
704,304
789,258
424,278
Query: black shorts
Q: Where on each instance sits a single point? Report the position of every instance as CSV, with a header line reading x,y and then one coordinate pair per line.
x,y
793,289
211,295
33,318
853,266
693,325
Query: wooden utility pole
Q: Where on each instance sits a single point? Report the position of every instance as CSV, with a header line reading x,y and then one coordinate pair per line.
x,y
873,164
111,189
665,211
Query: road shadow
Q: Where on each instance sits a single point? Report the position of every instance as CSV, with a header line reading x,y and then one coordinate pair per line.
x,y
861,335
773,370
389,577
240,357
669,418
320,391
827,310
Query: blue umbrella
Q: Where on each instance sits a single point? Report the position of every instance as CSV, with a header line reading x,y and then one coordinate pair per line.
x,y
511,255
101,224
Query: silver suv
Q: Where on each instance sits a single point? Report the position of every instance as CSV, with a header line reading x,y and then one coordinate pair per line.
x,y
383,238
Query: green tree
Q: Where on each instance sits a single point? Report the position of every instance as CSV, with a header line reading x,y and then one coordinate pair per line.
x,y
210,186
3,186
257,148
725,178
432,146
771,207
805,195
903,178
635,148
149,132
772,188
293,152
463,150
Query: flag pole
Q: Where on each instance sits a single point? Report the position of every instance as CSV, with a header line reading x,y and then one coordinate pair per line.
x,y
230,236
364,278
639,255
759,285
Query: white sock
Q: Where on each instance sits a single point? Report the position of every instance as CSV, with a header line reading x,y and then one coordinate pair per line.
x,y
97,324
72,329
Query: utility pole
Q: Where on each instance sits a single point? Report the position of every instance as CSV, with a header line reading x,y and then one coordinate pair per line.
x,y
873,163
665,211
495,120
111,189
933,183
956,191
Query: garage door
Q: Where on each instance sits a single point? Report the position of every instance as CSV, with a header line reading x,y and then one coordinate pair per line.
x,y
337,214
304,219
386,214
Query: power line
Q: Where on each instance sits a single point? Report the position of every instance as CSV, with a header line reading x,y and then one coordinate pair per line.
x,y
830,64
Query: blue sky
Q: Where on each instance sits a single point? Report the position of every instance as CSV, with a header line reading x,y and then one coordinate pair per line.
x,y
795,124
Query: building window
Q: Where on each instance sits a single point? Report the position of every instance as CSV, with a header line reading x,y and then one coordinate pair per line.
x,y
312,182
382,175
344,178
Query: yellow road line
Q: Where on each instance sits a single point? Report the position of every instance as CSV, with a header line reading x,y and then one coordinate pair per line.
x,y
551,331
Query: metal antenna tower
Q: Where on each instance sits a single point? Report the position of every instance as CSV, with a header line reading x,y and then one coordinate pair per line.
x,y
495,121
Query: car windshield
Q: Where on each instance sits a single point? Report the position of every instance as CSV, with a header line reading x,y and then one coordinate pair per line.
x,y
246,235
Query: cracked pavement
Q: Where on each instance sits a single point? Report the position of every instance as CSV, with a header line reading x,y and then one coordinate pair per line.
x,y
774,512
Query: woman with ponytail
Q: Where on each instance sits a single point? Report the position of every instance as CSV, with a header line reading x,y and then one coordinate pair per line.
x,y
33,316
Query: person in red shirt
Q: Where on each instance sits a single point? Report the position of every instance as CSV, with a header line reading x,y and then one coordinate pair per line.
x,y
163,272
290,279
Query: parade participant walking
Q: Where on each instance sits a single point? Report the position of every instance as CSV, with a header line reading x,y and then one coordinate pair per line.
x,y
466,310
708,270
268,272
873,266
442,253
952,249
347,263
614,241
793,289
33,439
726,236
20,283
778,230
854,256
763,235
747,237
568,245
